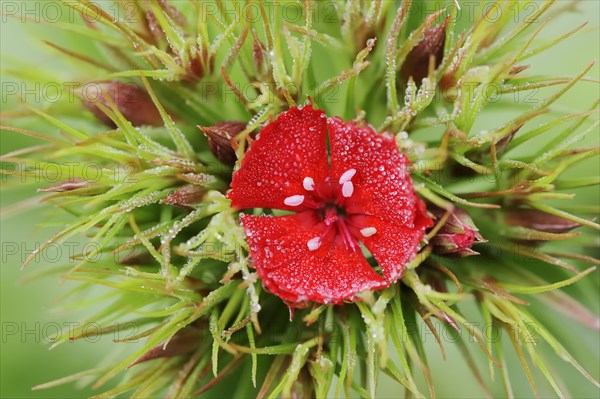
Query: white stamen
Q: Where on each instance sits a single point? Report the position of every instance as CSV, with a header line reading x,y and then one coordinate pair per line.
x,y
294,200
347,175
314,243
347,189
309,184
368,231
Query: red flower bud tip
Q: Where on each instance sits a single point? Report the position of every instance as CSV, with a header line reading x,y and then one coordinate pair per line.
x,y
154,27
260,56
504,141
220,138
197,63
66,185
448,84
133,102
517,69
172,12
183,342
457,235
539,221
185,197
347,186
135,259
417,60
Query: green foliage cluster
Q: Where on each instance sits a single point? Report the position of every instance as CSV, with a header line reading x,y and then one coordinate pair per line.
x,y
190,287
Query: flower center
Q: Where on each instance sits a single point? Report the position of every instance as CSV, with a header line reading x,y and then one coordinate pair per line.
x,y
329,200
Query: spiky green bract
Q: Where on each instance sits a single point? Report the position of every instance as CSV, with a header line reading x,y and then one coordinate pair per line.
x,y
189,289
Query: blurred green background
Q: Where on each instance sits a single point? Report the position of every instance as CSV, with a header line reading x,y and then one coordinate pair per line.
x,y
31,312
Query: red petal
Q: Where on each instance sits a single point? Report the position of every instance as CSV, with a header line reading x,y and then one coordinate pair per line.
x,y
382,186
393,245
292,147
331,274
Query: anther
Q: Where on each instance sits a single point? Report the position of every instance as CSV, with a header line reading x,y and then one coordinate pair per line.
x,y
368,231
308,183
314,243
347,175
347,189
294,200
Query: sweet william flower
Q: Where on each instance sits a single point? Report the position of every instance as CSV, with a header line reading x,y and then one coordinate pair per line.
x,y
359,193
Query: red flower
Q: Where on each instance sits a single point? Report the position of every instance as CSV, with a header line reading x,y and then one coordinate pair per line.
x,y
361,193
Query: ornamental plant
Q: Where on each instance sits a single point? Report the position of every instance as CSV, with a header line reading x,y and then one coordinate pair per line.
x,y
287,197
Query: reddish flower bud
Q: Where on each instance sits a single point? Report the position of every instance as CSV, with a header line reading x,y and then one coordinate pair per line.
x,y
135,258
457,235
538,221
302,387
133,102
173,13
261,63
448,84
184,341
197,63
66,185
505,141
154,27
417,60
185,197
220,138
517,69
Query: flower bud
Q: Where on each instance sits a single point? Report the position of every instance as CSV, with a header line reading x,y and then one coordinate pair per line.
x,y
67,185
136,258
417,60
197,63
538,225
133,102
448,86
220,138
172,12
517,69
185,197
184,341
259,51
505,141
538,220
302,387
457,235
154,27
